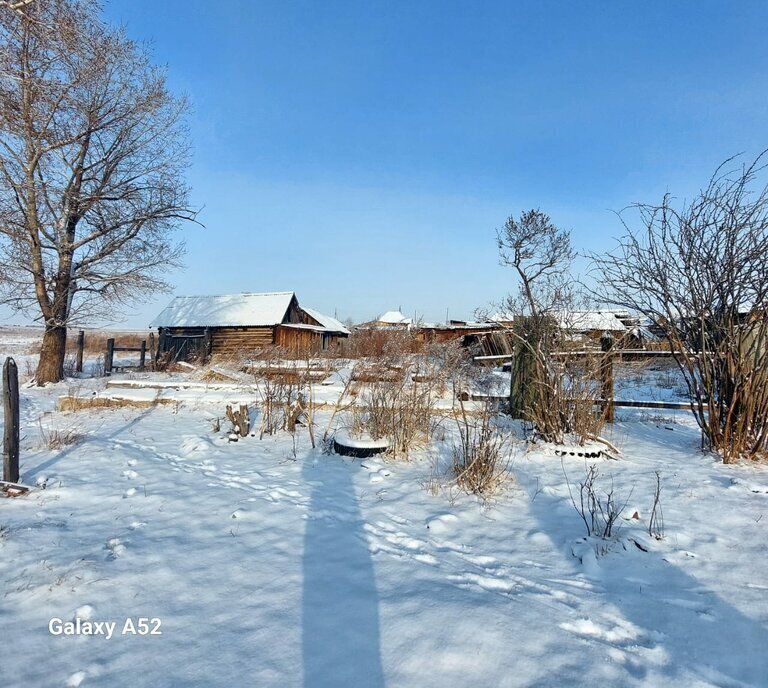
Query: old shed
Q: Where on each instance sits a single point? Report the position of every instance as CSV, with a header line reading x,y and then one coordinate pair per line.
x,y
196,327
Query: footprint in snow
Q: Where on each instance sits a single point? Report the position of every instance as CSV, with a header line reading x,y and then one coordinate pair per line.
x,y
115,548
442,523
75,679
130,474
129,492
84,613
616,631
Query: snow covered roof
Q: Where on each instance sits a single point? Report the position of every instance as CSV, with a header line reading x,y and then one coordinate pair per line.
x,y
229,310
394,318
326,321
501,317
591,320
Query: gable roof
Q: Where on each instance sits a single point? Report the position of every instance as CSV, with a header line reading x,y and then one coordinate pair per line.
x,y
228,310
326,321
582,321
394,318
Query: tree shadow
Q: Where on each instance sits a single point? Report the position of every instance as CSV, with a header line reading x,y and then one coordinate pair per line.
x,y
699,634
28,475
340,625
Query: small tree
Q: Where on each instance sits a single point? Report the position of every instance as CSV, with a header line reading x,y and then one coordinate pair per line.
x,y
698,270
93,149
546,390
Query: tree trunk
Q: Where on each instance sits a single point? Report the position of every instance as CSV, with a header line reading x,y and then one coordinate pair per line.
x,y
52,352
523,382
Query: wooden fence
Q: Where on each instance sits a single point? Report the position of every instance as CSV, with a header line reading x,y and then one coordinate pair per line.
x,y
608,355
109,360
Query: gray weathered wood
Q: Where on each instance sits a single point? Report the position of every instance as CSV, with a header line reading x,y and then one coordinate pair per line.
x,y
152,351
11,414
80,347
606,376
110,356
142,354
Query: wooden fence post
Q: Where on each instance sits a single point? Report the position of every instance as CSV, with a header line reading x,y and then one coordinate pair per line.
x,y
606,376
11,413
152,353
208,345
80,347
143,354
110,356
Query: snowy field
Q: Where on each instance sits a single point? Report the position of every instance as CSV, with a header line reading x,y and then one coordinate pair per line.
x,y
273,564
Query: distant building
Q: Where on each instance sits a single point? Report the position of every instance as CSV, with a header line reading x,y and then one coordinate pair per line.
x,y
390,319
237,324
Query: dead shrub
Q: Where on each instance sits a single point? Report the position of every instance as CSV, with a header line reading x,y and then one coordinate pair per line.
x,y
479,462
98,366
600,512
377,343
58,438
656,520
70,365
285,387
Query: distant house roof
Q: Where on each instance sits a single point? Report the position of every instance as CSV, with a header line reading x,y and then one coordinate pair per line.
x,y
229,310
326,321
501,317
582,321
394,318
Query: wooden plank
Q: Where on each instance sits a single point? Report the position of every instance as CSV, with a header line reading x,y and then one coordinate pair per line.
x,y
626,403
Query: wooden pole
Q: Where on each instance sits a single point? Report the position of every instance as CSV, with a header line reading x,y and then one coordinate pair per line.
x,y
143,354
606,376
80,347
152,353
208,345
110,356
11,414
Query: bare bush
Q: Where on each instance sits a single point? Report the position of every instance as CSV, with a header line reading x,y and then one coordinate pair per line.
x,y
377,343
98,366
479,459
698,271
59,438
70,365
284,387
600,513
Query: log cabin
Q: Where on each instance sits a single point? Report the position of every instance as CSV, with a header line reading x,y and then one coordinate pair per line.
x,y
231,325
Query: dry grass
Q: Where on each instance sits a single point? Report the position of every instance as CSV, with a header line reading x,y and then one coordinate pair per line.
x,y
96,340
480,464
74,403
378,343
58,438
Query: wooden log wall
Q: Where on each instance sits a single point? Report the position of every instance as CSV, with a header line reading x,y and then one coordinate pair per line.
x,y
230,341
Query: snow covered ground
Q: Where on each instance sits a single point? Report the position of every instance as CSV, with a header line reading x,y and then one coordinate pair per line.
x,y
269,564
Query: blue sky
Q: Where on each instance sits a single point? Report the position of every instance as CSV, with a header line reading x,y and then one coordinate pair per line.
x,y
363,153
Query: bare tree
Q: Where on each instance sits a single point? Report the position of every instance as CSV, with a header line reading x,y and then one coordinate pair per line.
x,y
551,392
93,150
699,271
